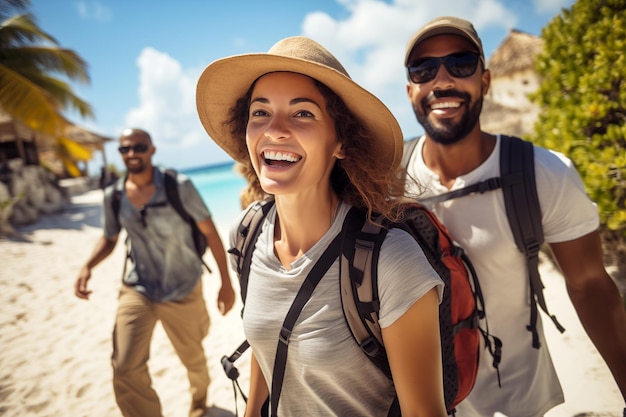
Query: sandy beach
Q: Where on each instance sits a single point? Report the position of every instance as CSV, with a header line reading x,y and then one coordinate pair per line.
x,y
55,356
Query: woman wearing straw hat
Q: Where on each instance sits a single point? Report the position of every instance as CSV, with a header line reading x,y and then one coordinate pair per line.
x,y
320,144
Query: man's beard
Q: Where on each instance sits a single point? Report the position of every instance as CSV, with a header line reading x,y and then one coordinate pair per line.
x,y
449,132
136,169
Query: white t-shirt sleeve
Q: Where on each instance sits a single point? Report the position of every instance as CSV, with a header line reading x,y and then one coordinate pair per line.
x,y
404,276
567,211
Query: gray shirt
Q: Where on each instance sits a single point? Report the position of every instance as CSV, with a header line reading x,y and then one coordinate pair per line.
x,y
165,264
326,373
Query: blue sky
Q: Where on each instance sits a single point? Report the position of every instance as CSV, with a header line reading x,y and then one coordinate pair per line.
x,y
145,56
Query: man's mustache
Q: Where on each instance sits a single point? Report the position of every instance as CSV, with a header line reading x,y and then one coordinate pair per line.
x,y
445,93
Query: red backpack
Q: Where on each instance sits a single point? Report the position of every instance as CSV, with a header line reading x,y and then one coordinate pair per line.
x,y
460,310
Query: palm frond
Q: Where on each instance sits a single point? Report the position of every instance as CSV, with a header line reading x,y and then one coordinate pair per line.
x,y
47,59
74,150
26,101
70,166
10,7
22,30
63,93
30,91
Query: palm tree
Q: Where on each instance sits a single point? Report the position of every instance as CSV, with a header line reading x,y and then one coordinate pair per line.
x,y
29,58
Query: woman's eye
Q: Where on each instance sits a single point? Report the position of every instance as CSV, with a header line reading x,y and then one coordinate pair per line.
x,y
304,113
257,113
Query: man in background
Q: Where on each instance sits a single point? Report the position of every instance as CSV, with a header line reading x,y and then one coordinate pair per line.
x,y
164,282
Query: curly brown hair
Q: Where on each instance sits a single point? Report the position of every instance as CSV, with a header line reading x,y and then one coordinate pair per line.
x,y
359,179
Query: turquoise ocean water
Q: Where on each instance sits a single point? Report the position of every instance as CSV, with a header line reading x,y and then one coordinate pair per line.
x,y
219,186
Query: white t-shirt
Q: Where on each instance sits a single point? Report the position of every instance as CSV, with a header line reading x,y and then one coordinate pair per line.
x,y
326,373
530,386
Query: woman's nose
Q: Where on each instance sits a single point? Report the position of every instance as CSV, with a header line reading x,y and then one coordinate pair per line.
x,y
277,129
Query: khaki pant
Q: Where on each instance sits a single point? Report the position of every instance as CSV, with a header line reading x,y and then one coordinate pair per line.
x,y
186,323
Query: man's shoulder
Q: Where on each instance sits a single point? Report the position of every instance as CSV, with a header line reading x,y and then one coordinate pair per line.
x,y
180,177
113,190
551,160
410,145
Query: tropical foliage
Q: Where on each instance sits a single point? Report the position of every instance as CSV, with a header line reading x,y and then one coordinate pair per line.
x,y
583,101
31,90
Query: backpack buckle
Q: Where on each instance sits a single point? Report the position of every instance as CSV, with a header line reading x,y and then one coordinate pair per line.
x,y
532,248
488,185
370,346
284,335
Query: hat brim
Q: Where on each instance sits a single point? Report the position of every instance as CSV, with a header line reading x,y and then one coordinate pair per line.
x,y
226,80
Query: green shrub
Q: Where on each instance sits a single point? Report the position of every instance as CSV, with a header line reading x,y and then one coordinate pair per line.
x,y
582,99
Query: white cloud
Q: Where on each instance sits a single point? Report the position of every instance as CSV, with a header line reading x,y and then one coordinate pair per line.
x,y
166,99
167,109
371,41
94,11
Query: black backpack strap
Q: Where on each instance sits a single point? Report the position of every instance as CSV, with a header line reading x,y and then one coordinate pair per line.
x,y
116,202
116,198
517,169
173,197
228,363
492,343
171,191
480,187
302,297
247,234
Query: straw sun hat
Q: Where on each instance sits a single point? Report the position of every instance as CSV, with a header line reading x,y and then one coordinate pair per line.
x,y
224,81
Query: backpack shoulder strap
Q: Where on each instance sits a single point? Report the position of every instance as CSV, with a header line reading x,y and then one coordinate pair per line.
x,y
517,170
519,187
302,297
171,191
409,147
247,234
116,202
116,198
359,285
173,197
481,187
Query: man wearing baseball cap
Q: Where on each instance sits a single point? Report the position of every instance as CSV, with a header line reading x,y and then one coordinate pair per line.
x,y
447,81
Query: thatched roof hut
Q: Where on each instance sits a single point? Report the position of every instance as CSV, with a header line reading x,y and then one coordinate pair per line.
x,y
515,54
34,148
507,108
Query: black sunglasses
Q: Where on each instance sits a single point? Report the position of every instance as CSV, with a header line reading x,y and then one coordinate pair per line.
x,y
138,148
460,65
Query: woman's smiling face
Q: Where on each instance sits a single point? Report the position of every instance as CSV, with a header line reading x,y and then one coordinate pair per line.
x,y
290,136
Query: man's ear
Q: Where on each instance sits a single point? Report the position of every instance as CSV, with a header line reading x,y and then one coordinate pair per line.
x,y
486,81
